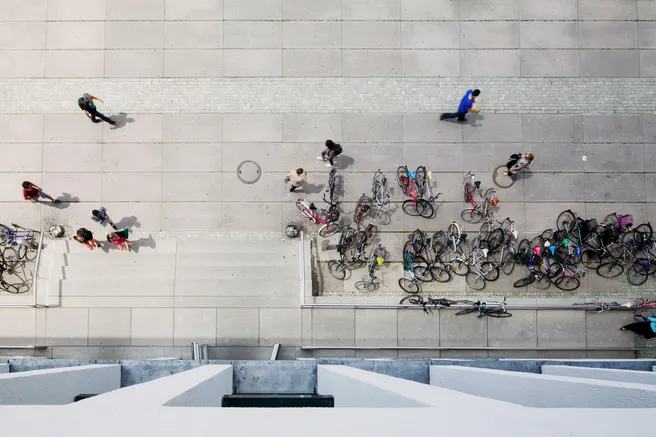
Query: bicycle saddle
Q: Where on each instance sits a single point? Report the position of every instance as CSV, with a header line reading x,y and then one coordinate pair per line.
x,y
477,184
463,236
312,207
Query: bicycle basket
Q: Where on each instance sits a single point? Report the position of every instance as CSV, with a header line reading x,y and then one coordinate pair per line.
x,y
494,201
625,220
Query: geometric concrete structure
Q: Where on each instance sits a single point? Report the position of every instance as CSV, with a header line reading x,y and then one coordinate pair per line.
x,y
58,386
4,368
617,375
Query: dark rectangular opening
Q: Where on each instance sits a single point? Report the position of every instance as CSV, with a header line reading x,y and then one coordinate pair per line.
x,y
278,401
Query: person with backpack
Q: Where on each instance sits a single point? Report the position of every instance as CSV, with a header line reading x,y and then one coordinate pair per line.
x,y
519,162
330,152
85,237
87,104
100,216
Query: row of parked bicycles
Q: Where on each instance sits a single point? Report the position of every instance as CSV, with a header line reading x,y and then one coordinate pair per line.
x,y
559,256
17,245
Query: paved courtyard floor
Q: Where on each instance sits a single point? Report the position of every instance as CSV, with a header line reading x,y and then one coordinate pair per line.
x,y
198,86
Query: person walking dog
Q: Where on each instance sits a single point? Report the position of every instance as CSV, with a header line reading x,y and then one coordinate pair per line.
x,y
88,105
296,178
466,105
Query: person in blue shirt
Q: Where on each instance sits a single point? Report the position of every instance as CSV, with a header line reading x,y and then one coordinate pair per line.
x,y
646,327
100,216
465,106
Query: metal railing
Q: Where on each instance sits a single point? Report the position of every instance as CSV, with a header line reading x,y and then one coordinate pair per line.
x,y
34,285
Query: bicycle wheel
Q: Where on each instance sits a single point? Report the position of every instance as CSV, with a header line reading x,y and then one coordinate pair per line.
x,y
484,230
500,314
425,208
337,269
4,235
466,311
381,215
491,272
610,219
494,239
423,273
542,283
421,180
440,274
500,179
523,250
508,263
471,215
329,229
591,259
563,218
524,282
408,286
637,274
567,283
414,300
10,257
366,285
410,208
460,268
548,234
10,288
347,237
611,269
418,239
475,281
402,176
439,243
537,241
644,232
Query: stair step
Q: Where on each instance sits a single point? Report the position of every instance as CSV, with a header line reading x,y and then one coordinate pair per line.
x,y
116,288
112,272
237,259
237,287
116,259
245,273
233,247
141,246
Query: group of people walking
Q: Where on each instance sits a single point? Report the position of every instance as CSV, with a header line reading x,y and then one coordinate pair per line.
x,y
118,238
297,177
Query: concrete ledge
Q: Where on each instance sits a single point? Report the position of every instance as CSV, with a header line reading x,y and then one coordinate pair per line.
x,y
632,376
58,386
543,391
4,368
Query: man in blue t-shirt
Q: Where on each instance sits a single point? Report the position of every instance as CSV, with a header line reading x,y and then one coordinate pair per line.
x,y
465,106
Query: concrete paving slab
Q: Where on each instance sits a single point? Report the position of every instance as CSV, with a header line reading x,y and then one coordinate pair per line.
x,y
555,10
141,10
614,187
134,63
69,128
30,157
646,10
549,34
16,10
193,63
109,326
549,63
73,187
647,63
624,158
311,34
75,35
237,327
430,35
193,34
464,330
489,34
371,9
418,329
138,216
609,63
371,34
252,10
518,330
252,34
486,157
375,327
559,157
72,157
436,10
612,128
311,127
561,329
311,63
312,10
605,10
134,187
649,128
440,157
22,35
487,63
135,35
82,285
608,34
369,158
252,127
333,327
251,217
431,63
181,216
480,10
67,326
74,63
552,128
428,128
372,127
22,63
541,187
194,325
600,210
256,63
371,63
279,325
152,327
137,157
18,326
21,128
269,188
202,128
194,10
146,128
191,157
605,331
10,185
502,128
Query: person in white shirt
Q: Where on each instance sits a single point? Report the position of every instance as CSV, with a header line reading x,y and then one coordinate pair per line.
x,y
296,178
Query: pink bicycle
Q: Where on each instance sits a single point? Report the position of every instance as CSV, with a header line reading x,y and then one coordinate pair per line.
x,y
328,218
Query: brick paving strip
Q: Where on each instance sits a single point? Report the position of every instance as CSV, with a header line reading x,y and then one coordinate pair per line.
x,y
332,95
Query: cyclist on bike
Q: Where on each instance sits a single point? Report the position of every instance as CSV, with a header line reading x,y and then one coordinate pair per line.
x,y
519,162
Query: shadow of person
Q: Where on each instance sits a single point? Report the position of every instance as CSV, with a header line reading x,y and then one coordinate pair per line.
x,y
121,120
344,161
143,242
63,201
128,222
309,188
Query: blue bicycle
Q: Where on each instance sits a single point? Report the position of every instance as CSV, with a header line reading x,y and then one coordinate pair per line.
x,y
18,244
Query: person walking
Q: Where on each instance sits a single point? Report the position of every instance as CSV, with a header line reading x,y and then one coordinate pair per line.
x,y
330,152
465,106
87,104
296,178
85,237
519,162
100,216
646,326
120,239
34,193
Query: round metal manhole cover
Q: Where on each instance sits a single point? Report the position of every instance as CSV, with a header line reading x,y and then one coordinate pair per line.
x,y
249,172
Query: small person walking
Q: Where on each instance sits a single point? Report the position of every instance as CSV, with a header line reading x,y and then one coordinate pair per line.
x,y
465,106
100,216
645,327
296,178
34,193
330,152
85,237
120,239
87,104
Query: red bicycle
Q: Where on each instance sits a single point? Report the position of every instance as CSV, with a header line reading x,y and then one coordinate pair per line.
x,y
414,185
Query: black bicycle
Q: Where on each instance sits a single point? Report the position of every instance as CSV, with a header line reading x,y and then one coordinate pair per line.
x,y
487,308
429,303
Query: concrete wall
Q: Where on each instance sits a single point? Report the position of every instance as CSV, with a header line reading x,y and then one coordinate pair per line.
x,y
631,376
203,386
57,386
543,390
4,368
359,388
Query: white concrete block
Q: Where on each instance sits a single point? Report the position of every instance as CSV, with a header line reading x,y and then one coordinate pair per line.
x,y
58,386
4,368
116,259
122,286
110,272
618,375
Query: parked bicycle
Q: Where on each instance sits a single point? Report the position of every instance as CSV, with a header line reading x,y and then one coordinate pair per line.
x,y
376,259
487,308
417,186
479,210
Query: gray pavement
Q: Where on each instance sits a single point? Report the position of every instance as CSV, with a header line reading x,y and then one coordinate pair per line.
x,y
201,85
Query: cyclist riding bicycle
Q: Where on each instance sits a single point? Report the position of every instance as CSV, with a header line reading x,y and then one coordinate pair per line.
x,y
519,162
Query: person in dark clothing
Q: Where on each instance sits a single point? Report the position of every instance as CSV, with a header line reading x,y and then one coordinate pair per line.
x,y
465,106
86,103
330,152
100,216
645,327
85,237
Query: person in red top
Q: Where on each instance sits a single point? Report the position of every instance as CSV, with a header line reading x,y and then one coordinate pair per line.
x,y
34,193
